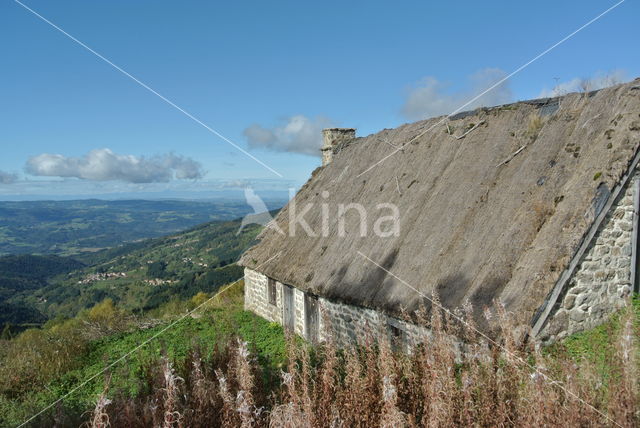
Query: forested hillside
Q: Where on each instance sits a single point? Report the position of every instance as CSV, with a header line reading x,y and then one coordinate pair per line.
x,y
30,271
137,277
23,274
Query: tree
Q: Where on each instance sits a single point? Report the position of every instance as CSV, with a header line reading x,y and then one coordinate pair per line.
x,y
157,270
199,298
104,318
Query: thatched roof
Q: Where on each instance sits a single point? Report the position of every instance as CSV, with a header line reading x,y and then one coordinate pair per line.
x,y
471,226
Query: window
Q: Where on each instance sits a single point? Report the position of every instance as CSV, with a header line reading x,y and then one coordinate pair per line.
x,y
398,337
311,318
271,291
288,308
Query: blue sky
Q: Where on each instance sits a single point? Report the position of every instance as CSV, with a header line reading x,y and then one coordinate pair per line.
x,y
249,69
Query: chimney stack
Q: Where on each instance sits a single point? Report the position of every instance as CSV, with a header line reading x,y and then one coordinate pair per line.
x,y
331,138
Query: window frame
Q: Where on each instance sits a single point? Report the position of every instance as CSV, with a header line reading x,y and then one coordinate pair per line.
x,y
272,292
397,336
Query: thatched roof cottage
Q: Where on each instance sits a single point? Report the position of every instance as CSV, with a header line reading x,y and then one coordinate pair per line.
x,y
534,204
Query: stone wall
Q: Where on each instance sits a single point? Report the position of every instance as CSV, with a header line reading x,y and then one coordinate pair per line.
x,y
348,324
345,323
602,281
256,297
256,300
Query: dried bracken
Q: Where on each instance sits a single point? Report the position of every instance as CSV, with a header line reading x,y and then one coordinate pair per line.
x,y
99,416
171,390
373,384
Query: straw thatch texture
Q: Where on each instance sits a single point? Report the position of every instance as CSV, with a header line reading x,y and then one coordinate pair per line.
x,y
471,226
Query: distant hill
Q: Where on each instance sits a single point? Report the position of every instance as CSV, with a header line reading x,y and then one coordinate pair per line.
x,y
31,271
26,273
137,276
76,227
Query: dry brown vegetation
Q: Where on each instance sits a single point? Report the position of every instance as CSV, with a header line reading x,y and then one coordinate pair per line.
x,y
370,385
534,126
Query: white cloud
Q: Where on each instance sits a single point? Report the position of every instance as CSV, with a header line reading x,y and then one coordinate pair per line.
x,y
105,165
598,81
430,98
7,178
297,134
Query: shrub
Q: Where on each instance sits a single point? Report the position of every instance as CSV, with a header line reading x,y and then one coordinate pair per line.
x,y
369,385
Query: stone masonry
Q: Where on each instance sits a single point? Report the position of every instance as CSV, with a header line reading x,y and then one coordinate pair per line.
x,y
602,281
256,298
348,324
332,137
343,323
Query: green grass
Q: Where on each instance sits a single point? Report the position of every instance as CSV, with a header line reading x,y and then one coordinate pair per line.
x,y
218,323
597,345
210,330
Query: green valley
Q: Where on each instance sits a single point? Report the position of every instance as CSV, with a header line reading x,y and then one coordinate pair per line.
x,y
136,276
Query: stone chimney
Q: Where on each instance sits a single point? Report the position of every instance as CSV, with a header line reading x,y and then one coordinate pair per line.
x,y
332,137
